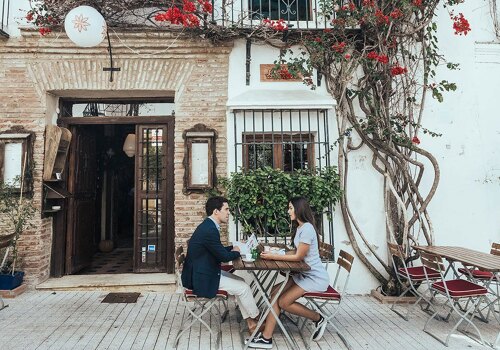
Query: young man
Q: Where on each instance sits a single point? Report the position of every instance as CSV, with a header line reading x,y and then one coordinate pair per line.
x,y
202,272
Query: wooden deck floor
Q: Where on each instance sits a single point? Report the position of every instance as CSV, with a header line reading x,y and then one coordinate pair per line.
x,y
78,320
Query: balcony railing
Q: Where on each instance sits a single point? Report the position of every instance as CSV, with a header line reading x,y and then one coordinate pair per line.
x,y
4,17
297,14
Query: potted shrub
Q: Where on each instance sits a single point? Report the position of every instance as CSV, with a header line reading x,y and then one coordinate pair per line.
x,y
16,212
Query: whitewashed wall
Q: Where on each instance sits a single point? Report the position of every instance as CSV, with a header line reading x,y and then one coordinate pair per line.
x,y
466,208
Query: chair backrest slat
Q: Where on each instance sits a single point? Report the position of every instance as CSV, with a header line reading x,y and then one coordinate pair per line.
x,y
6,241
325,251
495,249
432,261
395,250
178,251
179,257
345,260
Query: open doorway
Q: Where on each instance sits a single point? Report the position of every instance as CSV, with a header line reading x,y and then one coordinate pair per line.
x,y
116,203
113,239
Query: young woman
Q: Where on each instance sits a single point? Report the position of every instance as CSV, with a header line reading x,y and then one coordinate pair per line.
x,y
306,242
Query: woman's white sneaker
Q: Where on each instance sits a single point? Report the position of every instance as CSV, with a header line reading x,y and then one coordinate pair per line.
x,y
320,326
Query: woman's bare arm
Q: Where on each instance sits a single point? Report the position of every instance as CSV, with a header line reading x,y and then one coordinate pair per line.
x,y
298,255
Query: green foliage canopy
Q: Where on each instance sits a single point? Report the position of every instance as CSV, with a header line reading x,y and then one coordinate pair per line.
x,y
259,198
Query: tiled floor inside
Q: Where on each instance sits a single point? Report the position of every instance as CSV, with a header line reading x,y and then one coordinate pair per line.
x,y
117,261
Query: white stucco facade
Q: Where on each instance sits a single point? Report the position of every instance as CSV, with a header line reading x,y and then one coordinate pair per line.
x,y
466,208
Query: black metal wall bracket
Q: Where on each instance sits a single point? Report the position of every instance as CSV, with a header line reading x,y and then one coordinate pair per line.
x,y
112,68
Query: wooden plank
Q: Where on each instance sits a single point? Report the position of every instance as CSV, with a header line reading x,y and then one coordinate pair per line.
x,y
114,120
93,326
59,338
109,338
139,331
100,330
156,325
25,311
172,313
52,137
84,323
469,257
42,326
128,331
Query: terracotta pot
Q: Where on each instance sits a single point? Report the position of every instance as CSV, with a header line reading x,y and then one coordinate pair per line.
x,y
106,245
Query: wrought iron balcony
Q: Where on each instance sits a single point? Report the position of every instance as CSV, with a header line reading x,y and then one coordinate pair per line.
x,y
4,17
297,14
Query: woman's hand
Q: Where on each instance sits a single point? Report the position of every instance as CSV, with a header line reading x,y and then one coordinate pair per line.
x,y
268,256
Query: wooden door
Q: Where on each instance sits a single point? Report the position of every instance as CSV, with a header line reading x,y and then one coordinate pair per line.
x,y
81,219
154,236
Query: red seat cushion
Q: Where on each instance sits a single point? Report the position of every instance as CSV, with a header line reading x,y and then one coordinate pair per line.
x,y
220,294
330,293
227,268
460,288
476,273
417,273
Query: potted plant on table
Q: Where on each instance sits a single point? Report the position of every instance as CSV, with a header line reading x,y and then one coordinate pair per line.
x,y
16,211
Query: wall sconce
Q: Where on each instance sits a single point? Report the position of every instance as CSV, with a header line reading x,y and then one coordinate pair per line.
x,y
199,159
129,145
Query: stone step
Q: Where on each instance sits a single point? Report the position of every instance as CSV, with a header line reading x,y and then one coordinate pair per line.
x,y
126,282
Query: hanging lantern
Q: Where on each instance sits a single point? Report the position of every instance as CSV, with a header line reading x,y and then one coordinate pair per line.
x,y
85,26
129,145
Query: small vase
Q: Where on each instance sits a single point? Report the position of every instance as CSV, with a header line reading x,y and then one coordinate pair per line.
x,y
106,245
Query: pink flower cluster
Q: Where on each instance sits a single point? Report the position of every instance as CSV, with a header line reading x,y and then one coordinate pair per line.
x,y
460,24
372,55
278,25
186,16
398,70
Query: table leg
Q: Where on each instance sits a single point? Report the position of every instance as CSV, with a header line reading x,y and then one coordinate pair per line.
x,y
269,309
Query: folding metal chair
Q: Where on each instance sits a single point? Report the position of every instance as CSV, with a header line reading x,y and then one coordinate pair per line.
x,y
413,276
489,280
5,242
454,291
196,306
324,302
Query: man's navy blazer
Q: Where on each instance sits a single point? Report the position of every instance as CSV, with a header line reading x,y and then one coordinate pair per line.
x,y
201,271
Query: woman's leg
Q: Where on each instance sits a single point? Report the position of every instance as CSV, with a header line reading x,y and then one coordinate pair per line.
x,y
287,301
270,320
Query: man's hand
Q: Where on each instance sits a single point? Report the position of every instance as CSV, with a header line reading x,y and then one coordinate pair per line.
x,y
236,249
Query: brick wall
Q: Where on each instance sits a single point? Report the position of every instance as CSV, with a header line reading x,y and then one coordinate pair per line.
x,y
33,67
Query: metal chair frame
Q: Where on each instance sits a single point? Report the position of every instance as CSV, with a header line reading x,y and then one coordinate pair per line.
x,y
435,262
492,284
396,251
320,304
204,304
5,242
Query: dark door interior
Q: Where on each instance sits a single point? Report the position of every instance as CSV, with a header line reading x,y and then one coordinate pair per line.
x,y
81,219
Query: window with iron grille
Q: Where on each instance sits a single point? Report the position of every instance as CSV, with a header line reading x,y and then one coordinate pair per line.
x,y
286,151
285,139
288,10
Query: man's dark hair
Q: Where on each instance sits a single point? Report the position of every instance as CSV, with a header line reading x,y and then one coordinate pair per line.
x,y
215,203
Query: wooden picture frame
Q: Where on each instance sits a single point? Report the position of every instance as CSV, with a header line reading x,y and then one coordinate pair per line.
x,y
16,152
199,161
